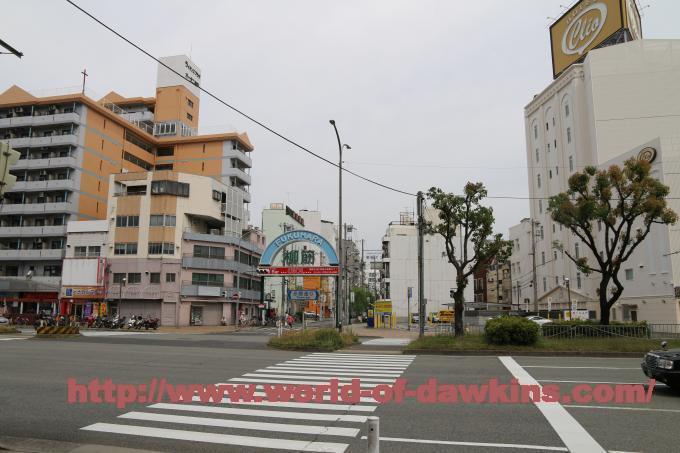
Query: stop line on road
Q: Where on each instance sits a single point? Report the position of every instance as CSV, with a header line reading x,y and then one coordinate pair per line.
x,y
331,419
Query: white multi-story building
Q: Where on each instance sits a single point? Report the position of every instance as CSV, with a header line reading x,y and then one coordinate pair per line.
x,y
400,268
620,100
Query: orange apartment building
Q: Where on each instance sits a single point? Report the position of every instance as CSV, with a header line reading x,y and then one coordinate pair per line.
x,y
69,146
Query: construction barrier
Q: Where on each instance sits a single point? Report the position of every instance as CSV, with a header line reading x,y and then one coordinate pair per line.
x,y
58,330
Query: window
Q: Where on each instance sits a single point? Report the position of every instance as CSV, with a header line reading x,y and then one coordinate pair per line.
x,y
566,109
541,232
155,278
537,155
190,117
540,206
162,167
179,189
535,131
547,127
548,147
137,161
568,135
576,250
190,103
80,252
132,138
549,174
167,151
170,278
545,284
542,258
557,170
578,281
207,279
538,180
629,274
203,251
134,277
161,248
599,225
127,221
122,248
557,281
94,250
161,220
555,255
553,226
118,278
553,120
168,248
571,163
52,271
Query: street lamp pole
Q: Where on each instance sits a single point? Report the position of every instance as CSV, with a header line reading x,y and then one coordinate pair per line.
x,y
339,287
120,293
566,282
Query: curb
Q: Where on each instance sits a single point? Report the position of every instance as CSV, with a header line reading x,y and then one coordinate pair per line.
x,y
32,445
495,352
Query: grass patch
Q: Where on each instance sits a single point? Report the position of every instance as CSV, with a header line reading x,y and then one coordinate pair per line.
x,y
443,343
8,329
314,340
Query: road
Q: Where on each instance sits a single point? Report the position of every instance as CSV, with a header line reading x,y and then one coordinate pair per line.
x,y
33,385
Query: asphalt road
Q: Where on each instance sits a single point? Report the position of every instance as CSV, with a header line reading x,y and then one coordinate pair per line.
x,y
34,399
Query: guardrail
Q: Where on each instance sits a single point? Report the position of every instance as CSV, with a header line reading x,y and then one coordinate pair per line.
x,y
642,331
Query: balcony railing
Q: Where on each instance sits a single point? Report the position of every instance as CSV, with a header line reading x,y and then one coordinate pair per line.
x,y
30,208
33,231
53,162
68,139
222,264
40,120
190,289
53,184
32,254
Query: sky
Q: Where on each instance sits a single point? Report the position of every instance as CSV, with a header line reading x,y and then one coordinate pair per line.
x,y
426,93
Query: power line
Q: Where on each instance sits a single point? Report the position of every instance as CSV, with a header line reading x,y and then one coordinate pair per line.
x,y
245,115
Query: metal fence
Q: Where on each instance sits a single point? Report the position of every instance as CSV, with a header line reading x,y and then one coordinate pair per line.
x,y
642,331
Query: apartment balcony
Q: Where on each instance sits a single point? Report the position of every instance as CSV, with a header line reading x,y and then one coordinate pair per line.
x,y
221,239
40,120
37,208
53,184
54,162
240,155
32,231
237,173
195,262
54,140
191,290
32,254
138,116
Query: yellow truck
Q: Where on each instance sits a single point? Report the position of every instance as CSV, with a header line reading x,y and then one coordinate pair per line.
x,y
445,316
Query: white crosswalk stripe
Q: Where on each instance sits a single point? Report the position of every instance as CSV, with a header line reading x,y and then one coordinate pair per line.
x,y
13,338
294,425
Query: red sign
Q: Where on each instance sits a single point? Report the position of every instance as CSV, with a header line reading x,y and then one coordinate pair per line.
x,y
302,270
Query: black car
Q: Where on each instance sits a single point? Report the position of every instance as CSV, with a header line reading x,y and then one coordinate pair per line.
x,y
663,365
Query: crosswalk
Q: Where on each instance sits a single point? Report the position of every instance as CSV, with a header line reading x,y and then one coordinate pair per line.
x,y
313,426
13,338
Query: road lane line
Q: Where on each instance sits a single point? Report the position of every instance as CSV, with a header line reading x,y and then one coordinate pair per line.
x,y
470,444
214,438
595,382
240,424
580,367
294,405
260,413
325,376
574,436
624,408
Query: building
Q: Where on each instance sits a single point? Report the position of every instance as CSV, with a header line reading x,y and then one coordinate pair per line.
x,y
85,268
498,285
174,252
608,106
372,262
400,268
521,265
69,146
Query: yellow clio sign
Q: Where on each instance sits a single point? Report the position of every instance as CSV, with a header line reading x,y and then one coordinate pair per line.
x,y
588,24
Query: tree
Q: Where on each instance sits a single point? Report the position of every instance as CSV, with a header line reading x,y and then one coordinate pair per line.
x,y
464,215
362,300
624,203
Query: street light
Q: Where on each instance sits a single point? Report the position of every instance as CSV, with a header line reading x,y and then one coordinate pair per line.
x,y
339,289
566,282
120,293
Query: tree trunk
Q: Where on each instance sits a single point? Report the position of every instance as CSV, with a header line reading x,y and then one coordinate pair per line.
x,y
604,303
459,306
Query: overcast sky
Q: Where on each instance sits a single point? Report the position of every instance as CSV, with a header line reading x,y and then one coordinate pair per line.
x,y
425,92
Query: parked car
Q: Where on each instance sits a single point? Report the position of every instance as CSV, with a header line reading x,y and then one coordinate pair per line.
x,y
3,321
663,365
311,315
434,317
539,320
415,317
445,316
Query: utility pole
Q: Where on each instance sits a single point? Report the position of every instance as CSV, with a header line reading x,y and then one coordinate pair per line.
x,y
421,279
85,74
533,264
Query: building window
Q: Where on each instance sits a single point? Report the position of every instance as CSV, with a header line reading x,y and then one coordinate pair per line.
x,y
568,135
118,278
134,277
137,161
553,227
127,221
538,179
52,271
629,274
535,131
179,189
80,252
553,120
566,109
190,117
549,174
164,167
166,151
599,225
541,231
207,279
190,103
571,163
548,147
161,220
578,281
542,258
161,248
122,248
540,206
203,251
555,255
94,250
545,284
537,159
155,278
547,127
557,280
576,254
170,278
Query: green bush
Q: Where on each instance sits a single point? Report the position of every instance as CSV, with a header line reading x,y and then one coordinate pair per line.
x,y
314,339
511,330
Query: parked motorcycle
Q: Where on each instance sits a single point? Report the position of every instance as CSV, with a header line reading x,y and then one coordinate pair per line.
x,y
150,323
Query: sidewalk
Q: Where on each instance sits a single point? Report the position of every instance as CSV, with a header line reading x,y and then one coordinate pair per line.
x,y
202,329
363,331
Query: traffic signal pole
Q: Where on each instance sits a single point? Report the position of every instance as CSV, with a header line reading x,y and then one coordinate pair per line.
x,y
421,277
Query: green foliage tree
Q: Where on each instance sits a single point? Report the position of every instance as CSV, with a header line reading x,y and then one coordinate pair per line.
x,y
465,216
625,203
362,300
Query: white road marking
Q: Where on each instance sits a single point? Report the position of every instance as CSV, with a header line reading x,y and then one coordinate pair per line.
x,y
224,439
340,354
106,333
297,382
624,408
574,436
363,399
580,367
322,371
469,444
388,342
240,424
294,405
15,338
595,382
358,359
346,366
328,376
362,365
260,413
